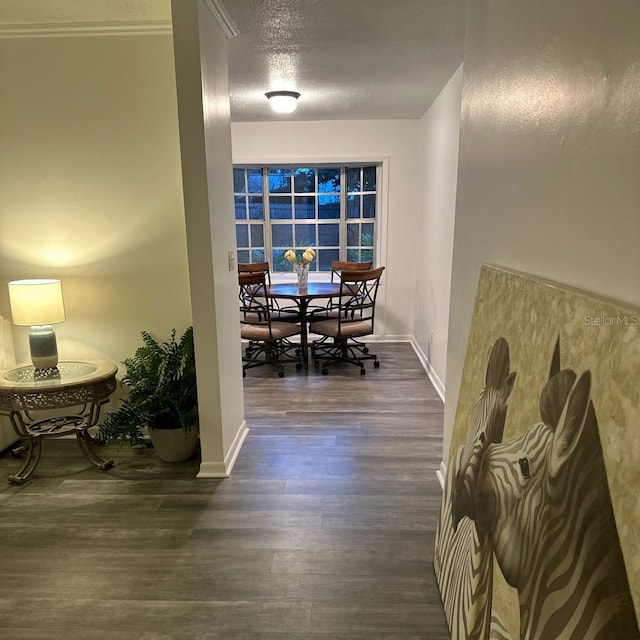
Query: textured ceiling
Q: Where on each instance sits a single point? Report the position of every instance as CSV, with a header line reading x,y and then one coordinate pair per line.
x,y
349,59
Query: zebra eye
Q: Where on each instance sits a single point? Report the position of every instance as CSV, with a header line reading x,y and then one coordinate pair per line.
x,y
483,438
524,467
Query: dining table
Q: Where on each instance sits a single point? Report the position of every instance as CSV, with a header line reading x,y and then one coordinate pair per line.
x,y
302,297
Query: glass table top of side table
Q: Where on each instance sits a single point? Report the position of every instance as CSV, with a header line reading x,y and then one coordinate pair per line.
x,y
65,373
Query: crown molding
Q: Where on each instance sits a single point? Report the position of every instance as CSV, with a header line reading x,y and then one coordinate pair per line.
x,y
219,12
105,28
67,29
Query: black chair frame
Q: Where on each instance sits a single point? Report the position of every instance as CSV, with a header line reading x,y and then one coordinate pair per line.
x,y
266,337
330,309
355,319
284,314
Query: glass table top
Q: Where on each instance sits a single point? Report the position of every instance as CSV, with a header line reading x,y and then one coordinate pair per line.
x,y
64,372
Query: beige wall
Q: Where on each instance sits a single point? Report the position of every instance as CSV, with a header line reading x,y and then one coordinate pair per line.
x,y
439,130
396,142
549,161
91,187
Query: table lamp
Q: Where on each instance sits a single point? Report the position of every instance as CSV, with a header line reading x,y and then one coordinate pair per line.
x,y
38,304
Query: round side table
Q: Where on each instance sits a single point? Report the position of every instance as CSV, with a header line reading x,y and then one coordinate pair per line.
x,y
81,386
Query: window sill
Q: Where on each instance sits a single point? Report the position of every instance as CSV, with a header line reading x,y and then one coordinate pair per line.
x,y
291,277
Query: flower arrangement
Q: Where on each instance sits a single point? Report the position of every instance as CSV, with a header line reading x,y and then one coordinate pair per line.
x,y
307,256
301,264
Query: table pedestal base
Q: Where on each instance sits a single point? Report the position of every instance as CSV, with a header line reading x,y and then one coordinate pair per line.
x,y
33,433
76,389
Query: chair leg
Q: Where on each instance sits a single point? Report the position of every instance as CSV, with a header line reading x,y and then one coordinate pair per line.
x,y
252,357
326,353
275,353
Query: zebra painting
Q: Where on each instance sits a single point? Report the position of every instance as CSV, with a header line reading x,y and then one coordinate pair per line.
x,y
540,503
463,562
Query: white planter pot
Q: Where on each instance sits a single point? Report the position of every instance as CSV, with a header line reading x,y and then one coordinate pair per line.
x,y
174,445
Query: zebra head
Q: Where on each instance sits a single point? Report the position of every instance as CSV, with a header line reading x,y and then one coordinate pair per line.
x,y
487,426
543,504
517,481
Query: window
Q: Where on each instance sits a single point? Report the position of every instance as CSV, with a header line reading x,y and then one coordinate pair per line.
x,y
330,208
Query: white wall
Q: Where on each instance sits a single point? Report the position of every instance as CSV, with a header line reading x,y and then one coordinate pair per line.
x,y
205,144
91,189
439,130
396,142
549,154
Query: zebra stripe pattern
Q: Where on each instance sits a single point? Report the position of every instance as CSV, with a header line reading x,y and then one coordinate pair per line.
x,y
463,563
547,514
463,567
540,504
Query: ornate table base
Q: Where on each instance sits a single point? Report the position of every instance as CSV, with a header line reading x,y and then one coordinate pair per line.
x,y
33,433
24,390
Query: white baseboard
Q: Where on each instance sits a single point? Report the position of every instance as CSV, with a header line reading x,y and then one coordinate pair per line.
x,y
424,361
223,469
387,338
236,445
441,474
438,385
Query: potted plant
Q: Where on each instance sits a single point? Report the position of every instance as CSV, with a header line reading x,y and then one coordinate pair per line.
x,y
162,396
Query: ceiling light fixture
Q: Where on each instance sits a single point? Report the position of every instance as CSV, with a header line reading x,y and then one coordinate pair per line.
x,y
283,101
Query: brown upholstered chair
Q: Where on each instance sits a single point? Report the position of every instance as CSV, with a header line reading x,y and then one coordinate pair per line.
x,y
255,267
330,309
355,319
268,338
284,314
338,266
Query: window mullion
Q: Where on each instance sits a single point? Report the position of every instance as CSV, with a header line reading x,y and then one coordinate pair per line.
x,y
343,213
268,251
246,211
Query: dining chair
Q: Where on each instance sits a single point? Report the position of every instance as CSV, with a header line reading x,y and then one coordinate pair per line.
x,y
284,314
266,337
338,266
330,309
355,319
256,267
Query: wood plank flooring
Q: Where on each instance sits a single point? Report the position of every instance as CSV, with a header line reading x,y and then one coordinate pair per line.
x,y
324,531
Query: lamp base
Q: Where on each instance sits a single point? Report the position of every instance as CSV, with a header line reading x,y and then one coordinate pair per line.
x,y
44,347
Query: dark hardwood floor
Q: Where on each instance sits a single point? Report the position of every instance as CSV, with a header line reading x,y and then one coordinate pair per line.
x,y
324,531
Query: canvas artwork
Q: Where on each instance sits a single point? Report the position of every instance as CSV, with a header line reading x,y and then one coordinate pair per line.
x,y
538,536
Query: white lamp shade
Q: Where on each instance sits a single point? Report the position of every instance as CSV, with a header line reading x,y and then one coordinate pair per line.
x,y
36,302
283,101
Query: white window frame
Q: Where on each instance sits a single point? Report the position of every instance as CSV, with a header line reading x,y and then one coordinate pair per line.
x,y
382,211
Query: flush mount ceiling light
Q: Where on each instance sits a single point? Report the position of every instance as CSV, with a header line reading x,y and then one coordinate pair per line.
x,y
283,101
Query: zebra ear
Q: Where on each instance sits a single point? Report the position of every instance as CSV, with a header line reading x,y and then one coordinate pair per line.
x,y
498,364
509,383
555,360
571,423
554,397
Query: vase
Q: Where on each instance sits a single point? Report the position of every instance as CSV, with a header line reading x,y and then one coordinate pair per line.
x,y
302,271
174,445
